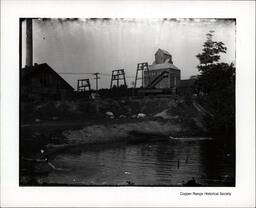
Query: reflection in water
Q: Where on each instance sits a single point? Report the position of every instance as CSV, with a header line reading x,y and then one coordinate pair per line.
x,y
167,163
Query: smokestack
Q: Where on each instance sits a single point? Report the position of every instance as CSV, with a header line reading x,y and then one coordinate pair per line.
x,y
29,43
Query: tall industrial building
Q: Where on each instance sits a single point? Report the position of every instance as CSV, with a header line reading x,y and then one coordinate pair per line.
x,y
162,73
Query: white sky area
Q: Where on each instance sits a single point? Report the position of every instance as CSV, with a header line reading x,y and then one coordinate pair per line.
x,y
100,45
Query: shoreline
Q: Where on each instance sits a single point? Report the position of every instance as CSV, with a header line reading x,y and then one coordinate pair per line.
x,y
62,135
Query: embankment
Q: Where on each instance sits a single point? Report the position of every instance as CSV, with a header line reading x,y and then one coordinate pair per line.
x,y
144,130
61,124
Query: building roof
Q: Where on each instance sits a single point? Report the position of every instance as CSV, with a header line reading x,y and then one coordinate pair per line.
x,y
187,82
31,71
162,66
164,51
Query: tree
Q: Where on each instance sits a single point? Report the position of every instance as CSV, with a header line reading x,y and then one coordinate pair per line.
x,y
211,52
216,88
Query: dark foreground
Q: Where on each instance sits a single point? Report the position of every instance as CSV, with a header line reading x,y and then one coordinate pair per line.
x,y
163,163
77,143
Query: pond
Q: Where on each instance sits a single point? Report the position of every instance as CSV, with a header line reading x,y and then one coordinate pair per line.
x,y
165,163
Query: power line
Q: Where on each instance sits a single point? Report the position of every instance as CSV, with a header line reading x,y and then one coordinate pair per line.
x,y
80,73
74,73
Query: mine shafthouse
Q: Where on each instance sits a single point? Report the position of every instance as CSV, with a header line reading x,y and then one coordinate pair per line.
x,y
41,82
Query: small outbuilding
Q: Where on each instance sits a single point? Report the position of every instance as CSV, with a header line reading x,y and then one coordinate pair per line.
x,y
186,86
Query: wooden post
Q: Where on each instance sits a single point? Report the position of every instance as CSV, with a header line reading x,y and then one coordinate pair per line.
x,y
96,77
77,85
117,77
136,76
111,80
124,78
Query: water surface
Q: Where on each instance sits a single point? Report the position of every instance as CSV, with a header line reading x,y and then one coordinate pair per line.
x,y
168,163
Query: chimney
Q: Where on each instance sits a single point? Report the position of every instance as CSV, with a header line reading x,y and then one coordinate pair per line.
x,y
29,42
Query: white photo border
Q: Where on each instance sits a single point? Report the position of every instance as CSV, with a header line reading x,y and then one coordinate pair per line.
x,y
241,196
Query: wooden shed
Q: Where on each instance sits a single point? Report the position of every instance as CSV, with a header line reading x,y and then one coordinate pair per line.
x,y
41,83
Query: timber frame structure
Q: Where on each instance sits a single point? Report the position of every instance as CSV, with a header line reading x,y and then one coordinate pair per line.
x,y
141,67
118,75
83,85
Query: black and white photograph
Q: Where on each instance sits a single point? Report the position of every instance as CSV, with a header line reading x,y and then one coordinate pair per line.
x,y
127,102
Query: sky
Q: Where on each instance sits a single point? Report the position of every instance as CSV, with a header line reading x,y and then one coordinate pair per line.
x,y
103,45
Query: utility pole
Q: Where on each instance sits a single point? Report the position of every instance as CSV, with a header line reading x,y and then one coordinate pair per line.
x,y
96,77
